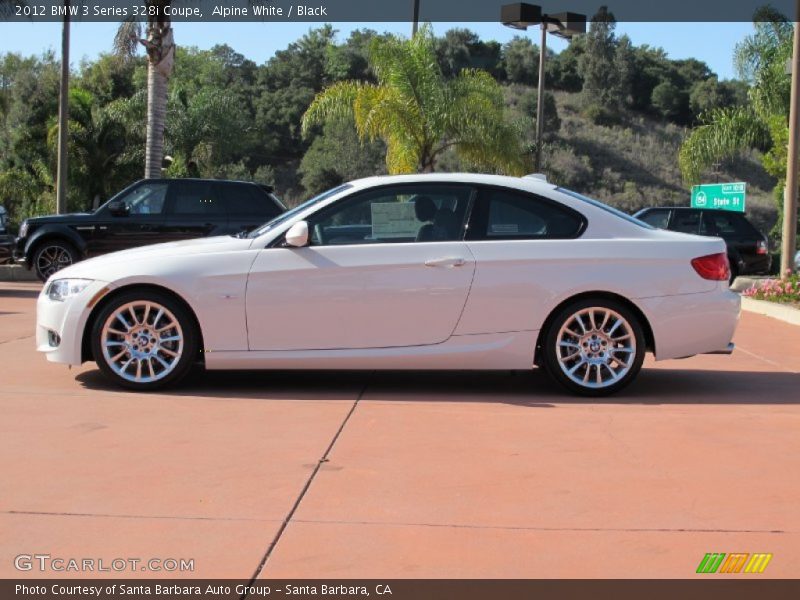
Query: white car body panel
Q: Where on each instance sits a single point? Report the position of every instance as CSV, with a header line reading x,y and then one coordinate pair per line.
x,y
380,306
385,297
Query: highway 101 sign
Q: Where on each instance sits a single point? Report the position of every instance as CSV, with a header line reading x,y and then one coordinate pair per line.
x,y
721,196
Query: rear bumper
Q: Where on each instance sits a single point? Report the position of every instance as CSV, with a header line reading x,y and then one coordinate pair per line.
x,y
728,350
755,265
691,324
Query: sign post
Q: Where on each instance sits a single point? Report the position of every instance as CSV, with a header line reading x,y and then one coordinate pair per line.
x,y
720,196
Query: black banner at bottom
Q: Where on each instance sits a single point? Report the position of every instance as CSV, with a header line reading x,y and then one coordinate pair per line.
x,y
398,589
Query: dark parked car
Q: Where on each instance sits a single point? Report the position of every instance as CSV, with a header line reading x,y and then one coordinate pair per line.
x,y
6,240
148,212
748,249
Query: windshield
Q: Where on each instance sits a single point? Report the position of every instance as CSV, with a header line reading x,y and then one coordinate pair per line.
x,y
282,218
606,207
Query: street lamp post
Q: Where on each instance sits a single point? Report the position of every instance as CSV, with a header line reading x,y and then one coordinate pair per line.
x,y
565,25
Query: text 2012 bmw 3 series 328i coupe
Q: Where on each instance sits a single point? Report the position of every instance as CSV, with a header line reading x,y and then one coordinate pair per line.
x,y
451,271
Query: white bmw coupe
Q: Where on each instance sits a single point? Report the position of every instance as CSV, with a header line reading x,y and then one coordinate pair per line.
x,y
450,271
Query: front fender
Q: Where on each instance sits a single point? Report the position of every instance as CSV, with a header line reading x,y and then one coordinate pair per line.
x,y
53,231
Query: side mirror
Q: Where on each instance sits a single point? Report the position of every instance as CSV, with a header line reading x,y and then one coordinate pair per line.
x,y
118,209
297,235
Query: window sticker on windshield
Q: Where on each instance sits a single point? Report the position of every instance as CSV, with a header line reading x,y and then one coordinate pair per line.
x,y
504,228
394,220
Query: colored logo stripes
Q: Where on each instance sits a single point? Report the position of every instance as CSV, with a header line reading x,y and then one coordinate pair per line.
x,y
740,562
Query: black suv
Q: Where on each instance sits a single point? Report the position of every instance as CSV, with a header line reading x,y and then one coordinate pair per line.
x,y
6,240
748,249
148,212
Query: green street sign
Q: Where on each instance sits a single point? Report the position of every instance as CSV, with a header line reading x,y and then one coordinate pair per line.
x,y
721,196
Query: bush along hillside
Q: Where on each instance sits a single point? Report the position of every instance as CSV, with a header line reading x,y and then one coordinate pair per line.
x,y
616,116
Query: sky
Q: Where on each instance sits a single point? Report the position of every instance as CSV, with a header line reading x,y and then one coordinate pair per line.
x,y
709,42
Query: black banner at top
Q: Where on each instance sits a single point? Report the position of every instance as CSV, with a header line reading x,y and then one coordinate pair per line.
x,y
359,11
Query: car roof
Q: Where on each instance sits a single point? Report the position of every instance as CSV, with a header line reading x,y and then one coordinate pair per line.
x,y
264,186
523,183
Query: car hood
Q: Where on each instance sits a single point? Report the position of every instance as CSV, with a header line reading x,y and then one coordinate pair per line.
x,y
56,219
112,266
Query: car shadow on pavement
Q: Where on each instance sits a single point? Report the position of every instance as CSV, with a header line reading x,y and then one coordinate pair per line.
x,y
523,388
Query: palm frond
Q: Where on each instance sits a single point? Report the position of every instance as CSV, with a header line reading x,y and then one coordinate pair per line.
x,y
126,40
724,133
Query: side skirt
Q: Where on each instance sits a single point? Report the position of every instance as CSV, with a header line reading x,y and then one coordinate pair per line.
x,y
490,351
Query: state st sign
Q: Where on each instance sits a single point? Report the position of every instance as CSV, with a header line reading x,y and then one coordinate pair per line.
x,y
719,196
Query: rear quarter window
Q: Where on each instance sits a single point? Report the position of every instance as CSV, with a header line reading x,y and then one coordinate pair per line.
x,y
247,200
504,214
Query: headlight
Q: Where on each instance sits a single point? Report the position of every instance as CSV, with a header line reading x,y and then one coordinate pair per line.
x,y
61,289
23,229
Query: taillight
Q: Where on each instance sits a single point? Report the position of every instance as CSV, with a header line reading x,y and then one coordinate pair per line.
x,y
761,247
714,266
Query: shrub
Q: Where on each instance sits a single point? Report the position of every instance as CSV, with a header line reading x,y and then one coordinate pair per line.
x,y
785,290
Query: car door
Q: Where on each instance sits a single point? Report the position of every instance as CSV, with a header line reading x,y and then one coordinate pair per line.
x,y
247,205
384,268
194,210
142,222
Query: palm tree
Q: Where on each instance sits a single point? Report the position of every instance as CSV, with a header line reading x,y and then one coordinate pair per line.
x,y
763,123
160,47
419,114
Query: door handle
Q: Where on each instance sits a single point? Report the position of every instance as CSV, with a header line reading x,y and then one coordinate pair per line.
x,y
445,262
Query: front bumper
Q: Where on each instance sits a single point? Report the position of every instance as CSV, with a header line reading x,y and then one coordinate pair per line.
x,y
60,325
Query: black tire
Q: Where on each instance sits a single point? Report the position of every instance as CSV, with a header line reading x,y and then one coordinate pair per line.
x,y
188,349
50,256
554,363
734,273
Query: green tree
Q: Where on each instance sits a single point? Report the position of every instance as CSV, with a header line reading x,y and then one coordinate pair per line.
x,y
762,123
97,145
521,61
338,155
668,99
419,114
603,84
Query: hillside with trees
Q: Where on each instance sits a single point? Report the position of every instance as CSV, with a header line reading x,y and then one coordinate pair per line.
x,y
616,116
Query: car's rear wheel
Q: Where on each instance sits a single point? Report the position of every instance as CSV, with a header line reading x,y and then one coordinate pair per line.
x,y
52,256
144,340
594,347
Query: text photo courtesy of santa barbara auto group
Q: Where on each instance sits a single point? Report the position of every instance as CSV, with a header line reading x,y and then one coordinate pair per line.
x,y
420,300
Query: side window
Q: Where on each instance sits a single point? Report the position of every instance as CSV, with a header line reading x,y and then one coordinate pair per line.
x,y
244,200
146,199
195,198
656,218
726,225
512,215
398,214
686,221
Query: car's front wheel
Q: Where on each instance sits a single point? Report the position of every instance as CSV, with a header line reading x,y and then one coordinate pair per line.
x,y
52,256
594,347
144,340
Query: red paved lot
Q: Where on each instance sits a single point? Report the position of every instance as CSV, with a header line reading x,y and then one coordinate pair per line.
x,y
432,475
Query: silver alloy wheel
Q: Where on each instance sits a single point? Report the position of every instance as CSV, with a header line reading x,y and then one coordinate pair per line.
x,y
51,259
596,347
142,341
